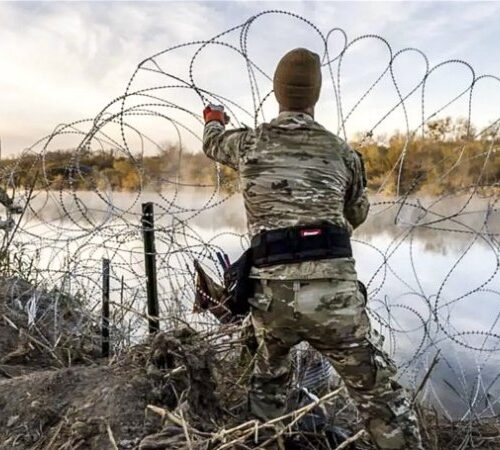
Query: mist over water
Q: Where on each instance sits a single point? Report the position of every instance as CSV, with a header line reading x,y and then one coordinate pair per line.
x,y
431,268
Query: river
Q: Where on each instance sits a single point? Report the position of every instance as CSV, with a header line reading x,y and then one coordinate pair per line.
x,y
431,266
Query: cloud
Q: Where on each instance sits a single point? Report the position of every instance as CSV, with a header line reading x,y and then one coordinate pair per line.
x,y
74,58
66,61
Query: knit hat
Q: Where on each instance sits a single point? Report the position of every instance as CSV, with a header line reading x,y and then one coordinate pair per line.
x,y
297,80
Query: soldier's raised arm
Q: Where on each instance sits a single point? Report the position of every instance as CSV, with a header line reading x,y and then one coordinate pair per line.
x,y
356,203
219,144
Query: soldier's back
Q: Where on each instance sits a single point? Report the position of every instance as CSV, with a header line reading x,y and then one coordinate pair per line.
x,y
294,174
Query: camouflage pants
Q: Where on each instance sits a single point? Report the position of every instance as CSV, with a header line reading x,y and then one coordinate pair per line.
x,y
331,316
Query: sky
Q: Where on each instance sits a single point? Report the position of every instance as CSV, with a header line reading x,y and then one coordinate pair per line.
x,y
65,61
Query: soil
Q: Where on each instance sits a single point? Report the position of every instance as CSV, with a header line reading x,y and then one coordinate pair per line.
x,y
97,407
124,403
180,390
72,408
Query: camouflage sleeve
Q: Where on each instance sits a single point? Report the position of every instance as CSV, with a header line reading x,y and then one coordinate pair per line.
x,y
225,146
356,203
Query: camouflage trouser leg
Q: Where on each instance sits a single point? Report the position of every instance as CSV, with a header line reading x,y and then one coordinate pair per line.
x,y
269,383
331,316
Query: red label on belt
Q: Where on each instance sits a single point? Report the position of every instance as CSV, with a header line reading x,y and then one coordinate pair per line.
x,y
310,232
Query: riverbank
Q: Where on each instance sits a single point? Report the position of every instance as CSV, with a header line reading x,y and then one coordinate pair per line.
x,y
182,389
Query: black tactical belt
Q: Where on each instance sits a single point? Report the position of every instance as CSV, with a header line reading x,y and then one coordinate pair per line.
x,y
300,243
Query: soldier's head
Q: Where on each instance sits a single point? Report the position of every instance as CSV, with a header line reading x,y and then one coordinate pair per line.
x,y
297,81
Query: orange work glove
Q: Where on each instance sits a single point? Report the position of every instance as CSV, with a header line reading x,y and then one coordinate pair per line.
x,y
215,112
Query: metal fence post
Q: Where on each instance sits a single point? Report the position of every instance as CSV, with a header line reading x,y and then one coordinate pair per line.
x,y
105,308
150,265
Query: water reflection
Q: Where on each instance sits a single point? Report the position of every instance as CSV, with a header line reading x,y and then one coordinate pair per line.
x,y
431,267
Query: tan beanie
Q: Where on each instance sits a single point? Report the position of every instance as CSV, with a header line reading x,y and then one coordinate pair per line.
x,y
297,80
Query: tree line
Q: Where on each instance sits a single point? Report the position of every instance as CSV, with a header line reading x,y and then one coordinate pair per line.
x,y
449,156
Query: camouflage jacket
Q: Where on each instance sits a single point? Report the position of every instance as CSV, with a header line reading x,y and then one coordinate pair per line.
x,y
294,172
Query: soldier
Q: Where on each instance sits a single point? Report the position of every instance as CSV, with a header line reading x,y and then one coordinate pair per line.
x,y
304,193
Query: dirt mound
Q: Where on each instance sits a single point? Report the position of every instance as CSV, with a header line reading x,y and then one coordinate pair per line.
x,y
82,407
115,404
42,329
174,393
184,390
73,406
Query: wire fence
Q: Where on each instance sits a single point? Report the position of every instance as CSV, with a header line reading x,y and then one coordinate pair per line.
x,y
431,263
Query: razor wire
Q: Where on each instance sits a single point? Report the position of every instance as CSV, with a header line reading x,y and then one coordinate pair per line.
x,y
427,294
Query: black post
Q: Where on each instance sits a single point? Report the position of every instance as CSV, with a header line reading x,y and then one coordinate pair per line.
x,y
105,308
150,264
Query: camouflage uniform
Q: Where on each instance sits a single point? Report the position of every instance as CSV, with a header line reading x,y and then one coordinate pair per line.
x,y
293,171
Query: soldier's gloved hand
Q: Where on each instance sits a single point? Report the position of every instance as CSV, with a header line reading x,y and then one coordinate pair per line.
x,y
215,112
